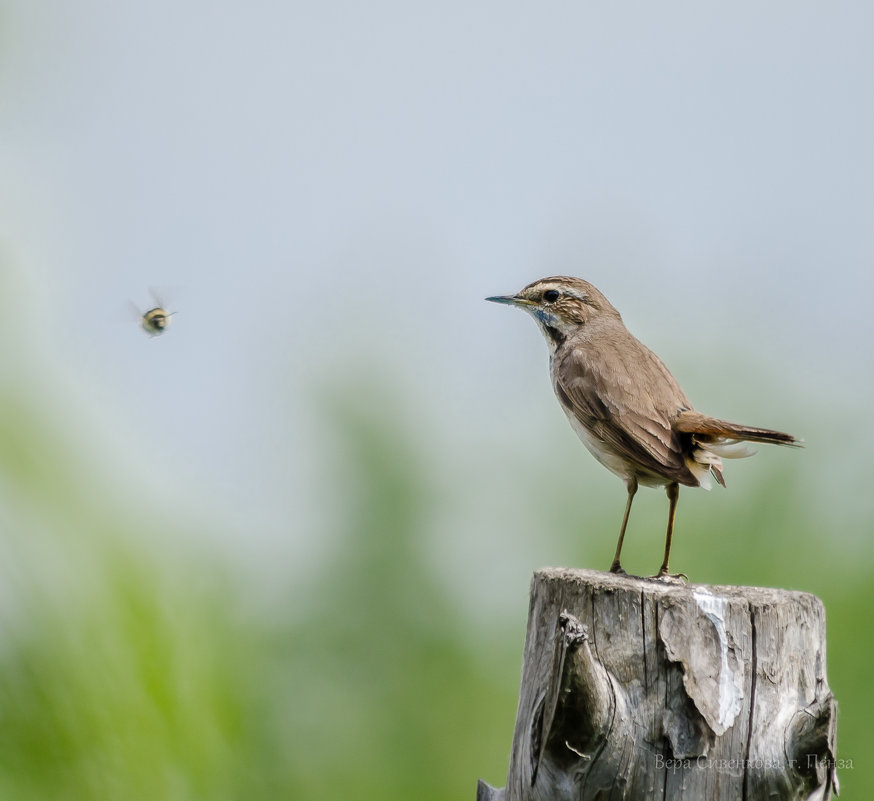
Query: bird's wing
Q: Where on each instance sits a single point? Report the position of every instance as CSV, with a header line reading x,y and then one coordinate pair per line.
x,y
630,411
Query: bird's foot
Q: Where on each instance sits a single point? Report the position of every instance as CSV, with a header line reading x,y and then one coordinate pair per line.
x,y
617,570
670,578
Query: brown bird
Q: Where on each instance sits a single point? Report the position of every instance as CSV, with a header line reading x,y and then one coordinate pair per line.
x,y
624,404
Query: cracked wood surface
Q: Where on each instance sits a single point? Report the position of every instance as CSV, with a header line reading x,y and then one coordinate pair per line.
x,y
638,689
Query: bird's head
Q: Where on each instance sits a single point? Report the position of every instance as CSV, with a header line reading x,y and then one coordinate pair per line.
x,y
561,305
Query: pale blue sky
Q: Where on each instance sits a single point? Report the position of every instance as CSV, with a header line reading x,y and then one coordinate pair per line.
x,y
342,184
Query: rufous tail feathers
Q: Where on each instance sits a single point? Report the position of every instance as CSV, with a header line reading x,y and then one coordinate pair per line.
x,y
692,422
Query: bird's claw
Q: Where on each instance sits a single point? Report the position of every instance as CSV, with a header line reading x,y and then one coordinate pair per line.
x,y
671,578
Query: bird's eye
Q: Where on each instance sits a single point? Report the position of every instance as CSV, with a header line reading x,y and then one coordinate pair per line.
x,y
551,295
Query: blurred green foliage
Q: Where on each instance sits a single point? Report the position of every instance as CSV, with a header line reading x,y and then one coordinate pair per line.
x,y
132,670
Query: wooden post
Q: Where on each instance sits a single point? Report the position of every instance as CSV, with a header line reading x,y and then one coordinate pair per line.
x,y
640,689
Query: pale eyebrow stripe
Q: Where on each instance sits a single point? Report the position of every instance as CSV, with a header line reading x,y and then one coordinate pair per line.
x,y
577,294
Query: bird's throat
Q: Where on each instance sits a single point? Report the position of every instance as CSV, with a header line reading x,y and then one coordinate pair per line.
x,y
554,336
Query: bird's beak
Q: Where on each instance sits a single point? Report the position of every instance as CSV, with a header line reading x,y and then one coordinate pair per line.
x,y
511,300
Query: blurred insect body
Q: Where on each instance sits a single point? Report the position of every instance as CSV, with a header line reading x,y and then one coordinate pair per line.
x,y
155,321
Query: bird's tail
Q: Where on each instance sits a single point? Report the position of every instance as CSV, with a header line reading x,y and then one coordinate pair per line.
x,y
691,422
715,440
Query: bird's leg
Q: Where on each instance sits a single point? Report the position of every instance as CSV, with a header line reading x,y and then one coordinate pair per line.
x,y
673,491
631,485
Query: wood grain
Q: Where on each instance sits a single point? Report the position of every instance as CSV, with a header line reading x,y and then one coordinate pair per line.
x,y
640,689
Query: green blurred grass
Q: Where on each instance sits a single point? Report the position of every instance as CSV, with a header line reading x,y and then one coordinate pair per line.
x,y
131,670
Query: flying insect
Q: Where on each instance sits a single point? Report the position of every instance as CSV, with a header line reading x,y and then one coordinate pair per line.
x,y
156,320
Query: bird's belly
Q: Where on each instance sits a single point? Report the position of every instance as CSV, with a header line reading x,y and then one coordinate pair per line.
x,y
600,450
613,461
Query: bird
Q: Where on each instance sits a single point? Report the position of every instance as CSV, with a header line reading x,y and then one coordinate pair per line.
x,y
624,403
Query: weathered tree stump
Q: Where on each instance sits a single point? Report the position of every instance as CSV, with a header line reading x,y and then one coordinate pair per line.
x,y
639,689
